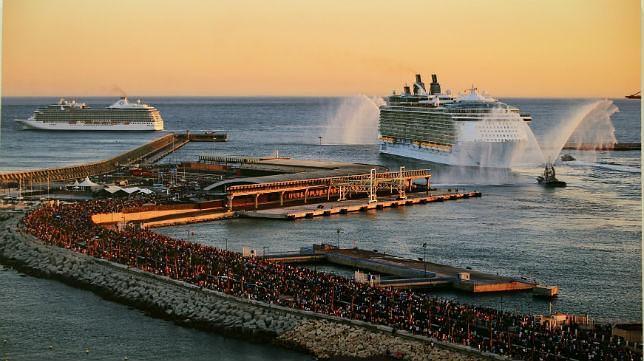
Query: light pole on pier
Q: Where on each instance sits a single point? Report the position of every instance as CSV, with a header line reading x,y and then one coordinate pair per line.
x,y
425,257
338,231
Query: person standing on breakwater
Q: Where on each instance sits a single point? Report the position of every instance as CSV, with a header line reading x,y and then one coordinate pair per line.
x,y
518,336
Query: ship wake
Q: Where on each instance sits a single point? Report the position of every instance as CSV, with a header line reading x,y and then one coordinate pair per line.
x,y
608,166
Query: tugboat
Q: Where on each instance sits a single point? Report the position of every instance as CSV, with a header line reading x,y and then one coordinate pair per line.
x,y
637,95
548,178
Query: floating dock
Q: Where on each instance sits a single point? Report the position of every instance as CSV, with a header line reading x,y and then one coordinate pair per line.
x,y
408,273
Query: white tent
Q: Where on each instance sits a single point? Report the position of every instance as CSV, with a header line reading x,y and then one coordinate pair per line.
x,y
87,183
131,190
75,185
112,189
116,190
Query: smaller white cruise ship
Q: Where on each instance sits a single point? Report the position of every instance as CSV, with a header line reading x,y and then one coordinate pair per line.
x,y
72,115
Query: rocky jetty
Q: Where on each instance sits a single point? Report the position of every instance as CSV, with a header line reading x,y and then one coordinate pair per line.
x,y
323,336
156,295
332,340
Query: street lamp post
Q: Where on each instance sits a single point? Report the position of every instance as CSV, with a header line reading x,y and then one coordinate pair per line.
x,y
425,258
338,231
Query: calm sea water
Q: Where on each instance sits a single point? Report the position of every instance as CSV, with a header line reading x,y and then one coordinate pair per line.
x,y
584,238
36,314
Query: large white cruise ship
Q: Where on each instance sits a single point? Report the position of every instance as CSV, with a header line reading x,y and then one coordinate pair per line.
x,y
71,115
469,130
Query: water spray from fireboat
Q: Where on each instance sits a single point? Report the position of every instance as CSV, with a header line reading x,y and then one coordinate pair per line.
x,y
591,124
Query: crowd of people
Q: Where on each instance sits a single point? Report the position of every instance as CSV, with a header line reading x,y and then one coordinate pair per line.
x,y
486,329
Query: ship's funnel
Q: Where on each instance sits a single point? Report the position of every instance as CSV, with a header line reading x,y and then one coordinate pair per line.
x,y
435,87
419,86
407,91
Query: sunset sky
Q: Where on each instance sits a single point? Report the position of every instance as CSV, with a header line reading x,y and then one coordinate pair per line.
x,y
544,48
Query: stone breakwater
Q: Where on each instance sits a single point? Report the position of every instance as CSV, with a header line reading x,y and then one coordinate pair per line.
x,y
328,340
323,336
157,295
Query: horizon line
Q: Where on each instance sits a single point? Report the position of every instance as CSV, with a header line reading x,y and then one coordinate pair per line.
x,y
295,96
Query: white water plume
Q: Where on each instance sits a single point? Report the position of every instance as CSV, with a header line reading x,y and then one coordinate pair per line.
x,y
528,152
590,126
354,121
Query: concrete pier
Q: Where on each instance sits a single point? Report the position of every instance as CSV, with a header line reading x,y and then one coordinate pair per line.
x,y
356,205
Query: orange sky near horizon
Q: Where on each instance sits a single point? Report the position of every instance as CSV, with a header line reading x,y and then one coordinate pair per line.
x,y
530,48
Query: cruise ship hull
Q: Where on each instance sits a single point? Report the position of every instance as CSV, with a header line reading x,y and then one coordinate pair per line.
x,y
82,126
465,154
